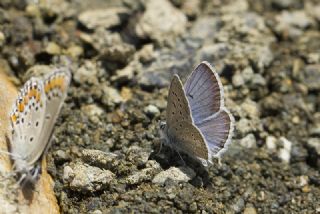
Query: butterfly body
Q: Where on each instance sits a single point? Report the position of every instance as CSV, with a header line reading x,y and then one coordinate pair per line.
x,y
197,122
32,120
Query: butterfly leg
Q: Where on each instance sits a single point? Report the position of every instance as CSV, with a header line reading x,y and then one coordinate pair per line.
x,y
158,152
219,161
184,163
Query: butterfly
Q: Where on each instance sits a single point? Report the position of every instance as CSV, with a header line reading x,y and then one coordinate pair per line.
x,y
33,117
197,122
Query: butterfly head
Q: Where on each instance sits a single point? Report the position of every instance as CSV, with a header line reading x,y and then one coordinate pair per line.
x,y
163,131
27,173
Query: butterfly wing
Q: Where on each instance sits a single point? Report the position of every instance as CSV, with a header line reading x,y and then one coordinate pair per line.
x,y
204,92
55,87
217,131
177,108
27,119
186,137
181,132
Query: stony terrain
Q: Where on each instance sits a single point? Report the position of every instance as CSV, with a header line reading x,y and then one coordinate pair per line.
x,y
105,156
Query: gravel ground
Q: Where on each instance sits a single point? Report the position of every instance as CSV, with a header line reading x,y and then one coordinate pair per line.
x,y
105,156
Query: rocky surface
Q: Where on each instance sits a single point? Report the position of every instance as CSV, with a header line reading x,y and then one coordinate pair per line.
x,y
105,156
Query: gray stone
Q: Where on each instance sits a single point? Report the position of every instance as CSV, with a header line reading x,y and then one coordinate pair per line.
x,y
127,73
82,177
121,53
285,152
248,141
315,144
106,18
147,53
93,112
101,39
215,52
250,109
250,210
237,80
111,96
238,205
312,77
61,156
258,80
245,126
151,110
292,24
205,27
171,24
181,174
105,160
87,73
137,155
145,174
271,143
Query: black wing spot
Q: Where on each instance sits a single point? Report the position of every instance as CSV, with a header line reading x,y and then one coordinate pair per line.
x,y
31,139
22,120
37,123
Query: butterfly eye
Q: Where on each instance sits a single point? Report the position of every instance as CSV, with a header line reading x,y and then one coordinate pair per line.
x,y
162,125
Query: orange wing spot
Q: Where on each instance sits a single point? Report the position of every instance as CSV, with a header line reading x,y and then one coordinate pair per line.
x,y
21,106
14,118
56,82
32,93
47,87
38,96
25,100
60,83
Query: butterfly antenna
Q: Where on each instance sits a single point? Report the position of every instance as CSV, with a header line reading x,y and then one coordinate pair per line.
x,y
9,154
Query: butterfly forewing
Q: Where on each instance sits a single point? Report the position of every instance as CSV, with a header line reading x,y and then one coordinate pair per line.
x,y
55,89
178,107
181,131
204,92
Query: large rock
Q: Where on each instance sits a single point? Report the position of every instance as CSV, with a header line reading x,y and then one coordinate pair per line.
x,y
182,174
160,22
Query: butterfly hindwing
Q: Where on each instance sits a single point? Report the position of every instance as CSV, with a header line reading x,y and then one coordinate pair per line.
x,y
217,131
186,137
